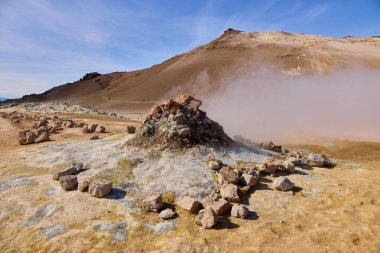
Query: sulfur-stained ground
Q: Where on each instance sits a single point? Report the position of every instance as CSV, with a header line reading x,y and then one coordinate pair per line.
x,y
332,210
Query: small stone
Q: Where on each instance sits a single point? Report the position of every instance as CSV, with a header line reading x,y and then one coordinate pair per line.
x,y
188,203
227,178
250,180
220,206
27,138
69,171
167,214
83,185
131,129
206,218
86,130
42,138
100,188
153,203
93,127
94,137
230,193
101,129
269,166
318,160
68,182
239,211
283,184
288,167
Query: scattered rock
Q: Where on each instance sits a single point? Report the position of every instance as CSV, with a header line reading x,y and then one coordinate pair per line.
x,y
100,188
83,185
68,123
93,127
42,138
131,129
219,205
69,171
318,160
269,165
288,167
101,129
227,178
94,137
167,214
206,218
188,203
68,182
239,211
86,130
283,184
249,179
153,203
230,192
27,137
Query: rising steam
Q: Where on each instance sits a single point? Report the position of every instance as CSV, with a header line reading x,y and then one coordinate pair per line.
x,y
268,105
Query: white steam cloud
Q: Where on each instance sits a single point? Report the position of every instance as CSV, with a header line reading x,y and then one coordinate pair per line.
x,y
268,105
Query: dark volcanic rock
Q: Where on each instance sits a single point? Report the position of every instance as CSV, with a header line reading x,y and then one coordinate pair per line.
x,y
89,76
179,123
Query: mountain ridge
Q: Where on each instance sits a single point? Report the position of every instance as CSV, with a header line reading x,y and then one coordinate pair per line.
x,y
289,53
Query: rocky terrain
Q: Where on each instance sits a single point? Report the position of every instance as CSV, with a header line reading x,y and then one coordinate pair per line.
x,y
197,191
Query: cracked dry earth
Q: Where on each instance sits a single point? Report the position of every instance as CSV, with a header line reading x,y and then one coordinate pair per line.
x,y
332,210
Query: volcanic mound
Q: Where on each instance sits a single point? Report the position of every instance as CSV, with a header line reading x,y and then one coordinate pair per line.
x,y
180,123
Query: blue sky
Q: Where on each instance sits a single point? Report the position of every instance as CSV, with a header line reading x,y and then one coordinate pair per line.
x,y
47,43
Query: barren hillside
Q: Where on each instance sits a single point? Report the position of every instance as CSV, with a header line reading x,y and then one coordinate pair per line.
x,y
287,53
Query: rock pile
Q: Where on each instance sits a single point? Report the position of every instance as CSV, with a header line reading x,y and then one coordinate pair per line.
x,y
179,123
234,183
44,127
69,181
309,160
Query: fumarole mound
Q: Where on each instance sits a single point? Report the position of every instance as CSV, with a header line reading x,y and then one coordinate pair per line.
x,y
179,123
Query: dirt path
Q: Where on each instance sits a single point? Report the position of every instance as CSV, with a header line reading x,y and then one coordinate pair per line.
x,y
8,135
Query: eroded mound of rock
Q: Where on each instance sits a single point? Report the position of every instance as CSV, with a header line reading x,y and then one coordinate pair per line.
x,y
180,123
